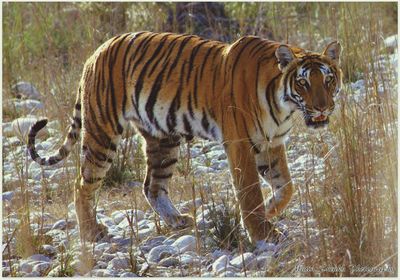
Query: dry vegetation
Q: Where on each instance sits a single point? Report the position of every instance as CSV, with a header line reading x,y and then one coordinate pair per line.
x,y
353,201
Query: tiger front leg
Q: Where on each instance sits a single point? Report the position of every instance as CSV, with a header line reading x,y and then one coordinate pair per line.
x,y
272,166
162,155
248,193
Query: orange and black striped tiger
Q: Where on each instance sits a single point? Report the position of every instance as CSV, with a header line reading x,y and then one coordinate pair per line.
x,y
172,86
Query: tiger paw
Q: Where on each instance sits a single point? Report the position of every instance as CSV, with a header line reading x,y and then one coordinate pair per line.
x,y
93,232
181,221
264,231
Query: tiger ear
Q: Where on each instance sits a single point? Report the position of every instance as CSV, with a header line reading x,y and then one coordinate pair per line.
x,y
333,51
284,55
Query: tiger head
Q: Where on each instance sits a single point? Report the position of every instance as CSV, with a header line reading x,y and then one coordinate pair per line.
x,y
310,81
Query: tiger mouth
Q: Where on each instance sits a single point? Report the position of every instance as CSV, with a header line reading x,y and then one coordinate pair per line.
x,y
317,122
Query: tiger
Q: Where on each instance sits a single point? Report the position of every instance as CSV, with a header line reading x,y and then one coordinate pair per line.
x,y
173,87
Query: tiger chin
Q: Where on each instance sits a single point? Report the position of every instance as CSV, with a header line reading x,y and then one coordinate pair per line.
x,y
171,87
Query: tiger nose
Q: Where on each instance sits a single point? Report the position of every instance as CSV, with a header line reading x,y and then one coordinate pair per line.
x,y
320,108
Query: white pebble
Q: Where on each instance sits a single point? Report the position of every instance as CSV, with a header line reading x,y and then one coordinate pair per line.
x,y
264,261
41,267
262,246
247,260
118,263
189,258
7,196
21,127
61,224
39,258
185,243
26,266
49,249
155,253
25,90
170,261
128,274
220,264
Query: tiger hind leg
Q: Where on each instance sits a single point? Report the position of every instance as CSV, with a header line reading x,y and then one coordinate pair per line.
x,y
162,155
97,156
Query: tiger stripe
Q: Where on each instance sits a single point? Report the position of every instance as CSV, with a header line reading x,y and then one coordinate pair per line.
x,y
172,86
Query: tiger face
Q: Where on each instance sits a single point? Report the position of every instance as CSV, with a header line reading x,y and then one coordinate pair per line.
x,y
310,82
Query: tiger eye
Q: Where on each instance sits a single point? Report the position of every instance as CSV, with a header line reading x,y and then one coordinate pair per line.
x,y
328,79
302,82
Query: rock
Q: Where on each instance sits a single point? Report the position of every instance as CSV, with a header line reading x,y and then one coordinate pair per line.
x,y
106,257
189,258
71,207
25,90
118,263
102,246
170,261
54,272
359,84
79,265
26,266
203,224
201,170
103,219
189,206
219,252
121,241
247,260
169,241
39,258
144,233
128,274
185,243
59,175
222,156
101,265
7,196
28,106
124,222
7,130
264,261
58,236
118,216
262,246
228,273
42,268
155,241
48,250
220,264
110,273
137,214
21,127
102,273
134,184
62,224
155,253
391,43
143,224
33,274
